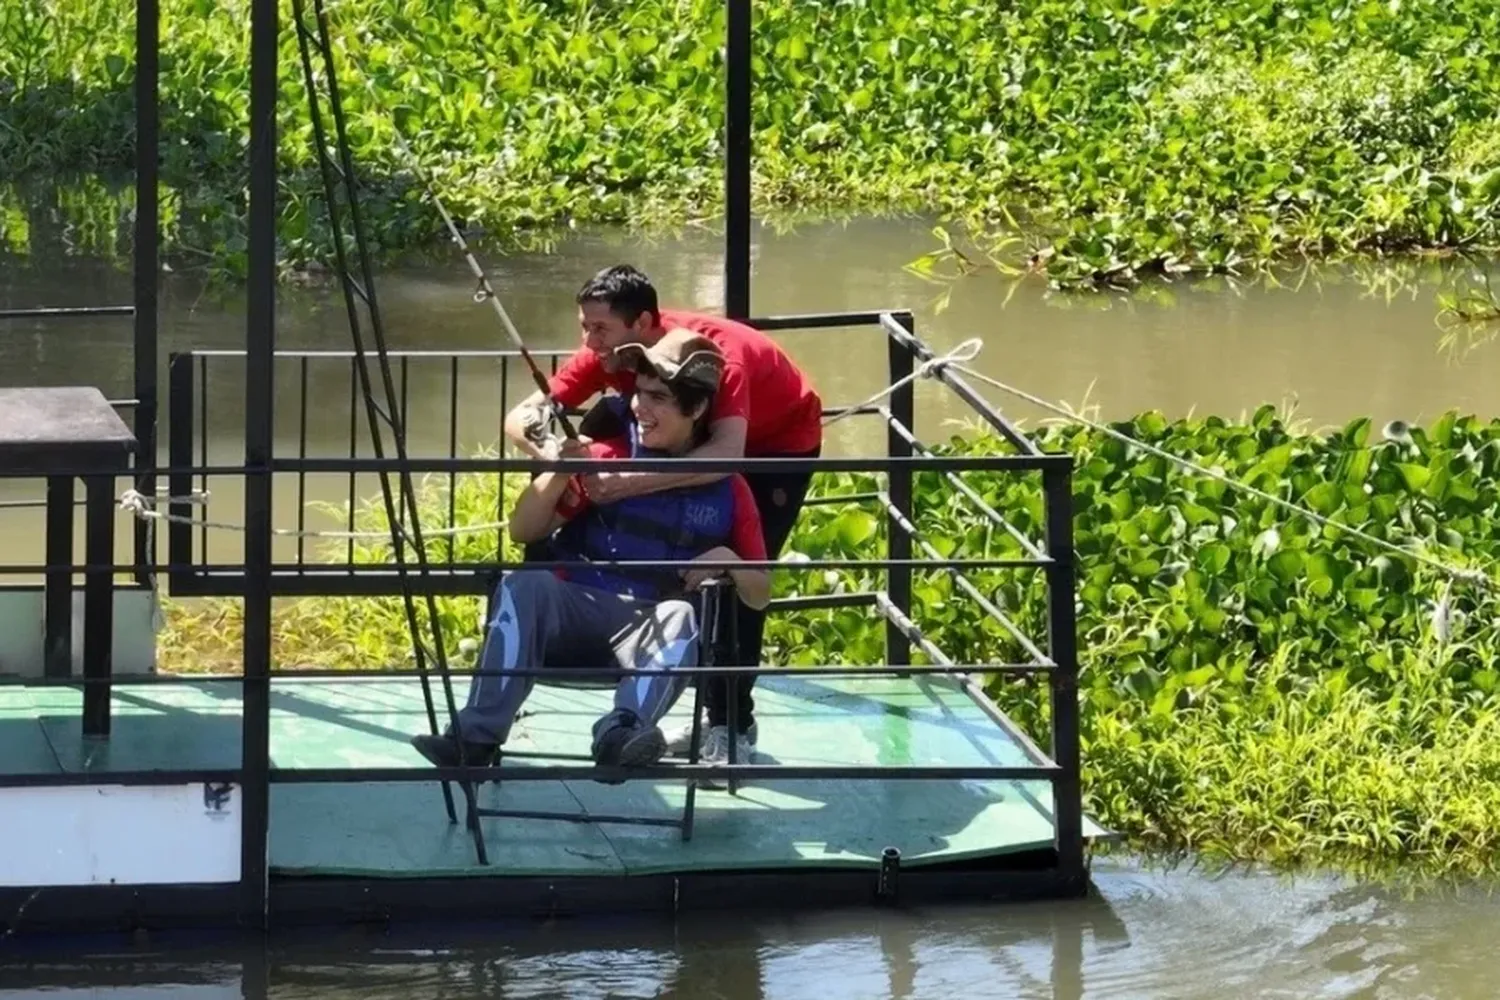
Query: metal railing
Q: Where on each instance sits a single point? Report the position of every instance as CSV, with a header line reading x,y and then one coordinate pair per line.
x,y
189,572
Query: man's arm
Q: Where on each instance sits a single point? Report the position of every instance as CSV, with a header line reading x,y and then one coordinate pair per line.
x,y
529,412
728,428
726,440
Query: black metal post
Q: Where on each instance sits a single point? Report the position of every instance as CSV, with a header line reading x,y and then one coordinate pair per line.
x,y
57,650
180,402
147,265
903,410
98,602
737,160
260,344
1062,640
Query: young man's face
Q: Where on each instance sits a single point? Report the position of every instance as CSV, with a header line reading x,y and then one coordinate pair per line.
x,y
663,426
603,331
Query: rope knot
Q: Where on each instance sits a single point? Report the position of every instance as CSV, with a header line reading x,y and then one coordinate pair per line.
x,y
135,502
963,353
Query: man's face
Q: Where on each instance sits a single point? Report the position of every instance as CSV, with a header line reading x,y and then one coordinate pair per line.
x,y
603,331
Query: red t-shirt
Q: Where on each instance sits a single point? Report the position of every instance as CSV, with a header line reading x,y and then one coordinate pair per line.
x,y
746,537
760,383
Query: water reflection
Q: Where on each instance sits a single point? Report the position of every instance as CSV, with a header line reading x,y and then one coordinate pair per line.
x,y
1179,934
733,956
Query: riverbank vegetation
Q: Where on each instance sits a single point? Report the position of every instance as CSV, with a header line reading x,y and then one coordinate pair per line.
x,y
1093,139
1253,687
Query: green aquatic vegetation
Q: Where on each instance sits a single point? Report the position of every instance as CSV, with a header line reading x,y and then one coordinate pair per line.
x,y
1093,139
1252,685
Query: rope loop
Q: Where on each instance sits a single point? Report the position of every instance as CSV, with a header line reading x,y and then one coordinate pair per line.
x,y
967,351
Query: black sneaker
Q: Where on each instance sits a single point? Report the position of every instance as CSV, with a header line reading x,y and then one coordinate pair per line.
x,y
622,740
442,751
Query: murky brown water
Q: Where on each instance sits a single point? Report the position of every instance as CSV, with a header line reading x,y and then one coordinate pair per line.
x,y
1337,341
1346,342
1166,935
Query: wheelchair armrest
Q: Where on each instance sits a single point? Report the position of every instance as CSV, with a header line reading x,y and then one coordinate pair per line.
x,y
716,620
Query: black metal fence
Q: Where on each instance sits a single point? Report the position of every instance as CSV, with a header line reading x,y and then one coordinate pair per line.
x,y
190,571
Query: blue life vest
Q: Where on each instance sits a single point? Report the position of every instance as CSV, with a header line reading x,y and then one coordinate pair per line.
x,y
676,524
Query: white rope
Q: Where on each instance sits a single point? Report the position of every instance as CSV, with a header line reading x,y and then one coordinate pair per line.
x,y
1454,572
143,508
967,351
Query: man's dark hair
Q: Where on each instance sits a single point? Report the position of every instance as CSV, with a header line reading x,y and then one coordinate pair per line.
x,y
625,290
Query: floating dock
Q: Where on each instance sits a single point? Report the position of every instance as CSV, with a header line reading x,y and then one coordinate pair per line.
x,y
276,799
364,848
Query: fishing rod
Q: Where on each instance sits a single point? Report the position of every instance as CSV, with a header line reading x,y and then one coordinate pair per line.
x,y
485,291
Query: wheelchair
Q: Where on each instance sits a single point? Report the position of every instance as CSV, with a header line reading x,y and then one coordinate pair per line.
x,y
717,634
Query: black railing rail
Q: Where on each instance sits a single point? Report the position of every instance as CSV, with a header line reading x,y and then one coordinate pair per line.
x,y
64,312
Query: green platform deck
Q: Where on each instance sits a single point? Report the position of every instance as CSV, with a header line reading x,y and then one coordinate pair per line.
x,y
401,830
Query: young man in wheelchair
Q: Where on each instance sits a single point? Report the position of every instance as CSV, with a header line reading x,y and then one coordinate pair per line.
x,y
636,618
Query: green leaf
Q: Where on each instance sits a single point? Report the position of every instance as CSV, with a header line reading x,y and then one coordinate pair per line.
x,y
1442,431
1359,466
1286,565
1275,461
1200,676
1324,498
1151,424
1356,432
1415,476
1214,558
855,527
1364,599
1437,486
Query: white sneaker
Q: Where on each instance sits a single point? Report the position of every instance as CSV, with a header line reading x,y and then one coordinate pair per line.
x,y
715,750
680,740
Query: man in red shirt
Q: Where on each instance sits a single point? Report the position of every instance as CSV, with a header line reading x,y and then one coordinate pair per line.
x,y
765,407
635,616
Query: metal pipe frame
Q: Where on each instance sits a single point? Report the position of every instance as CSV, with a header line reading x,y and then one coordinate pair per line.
x,y
260,341
256,895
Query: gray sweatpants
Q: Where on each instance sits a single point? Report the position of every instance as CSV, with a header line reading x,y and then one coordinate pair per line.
x,y
540,621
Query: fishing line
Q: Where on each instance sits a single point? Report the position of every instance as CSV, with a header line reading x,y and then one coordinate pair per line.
x,y
485,291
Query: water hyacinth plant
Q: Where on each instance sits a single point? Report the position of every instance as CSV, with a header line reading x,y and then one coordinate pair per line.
x,y
1096,140
1253,686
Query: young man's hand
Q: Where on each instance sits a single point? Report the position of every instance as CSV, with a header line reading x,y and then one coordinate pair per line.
x,y
607,487
693,578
